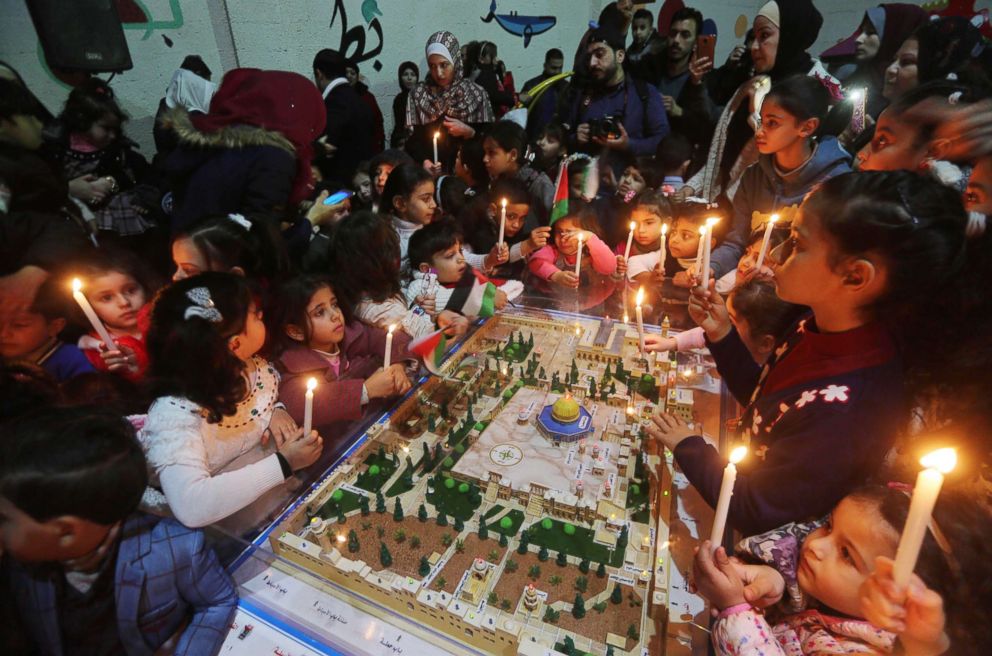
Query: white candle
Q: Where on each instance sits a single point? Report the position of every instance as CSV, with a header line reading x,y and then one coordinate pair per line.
x,y
764,242
437,135
84,304
925,492
388,356
502,223
726,491
699,248
663,251
630,240
640,319
308,407
578,257
707,248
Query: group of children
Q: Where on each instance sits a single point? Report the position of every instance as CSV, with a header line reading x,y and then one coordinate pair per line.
x,y
211,368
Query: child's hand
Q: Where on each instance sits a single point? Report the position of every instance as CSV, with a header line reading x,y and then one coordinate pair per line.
x,y
565,279
453,323
401,382
538,239
655,342
916,613
427,303
120,359
716,578
658,274
281,427
669,429
88,342
709,310
434,168
303,450
621,265
573,238
763,585
499,302
500,254
682,279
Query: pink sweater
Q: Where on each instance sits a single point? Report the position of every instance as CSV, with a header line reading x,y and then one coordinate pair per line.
x,y
598,265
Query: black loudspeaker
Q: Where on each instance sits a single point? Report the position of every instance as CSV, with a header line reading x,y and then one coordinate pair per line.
x,y
81,35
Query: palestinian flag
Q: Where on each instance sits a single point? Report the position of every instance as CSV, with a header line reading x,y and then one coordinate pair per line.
x,y
431,349
559,208
474,295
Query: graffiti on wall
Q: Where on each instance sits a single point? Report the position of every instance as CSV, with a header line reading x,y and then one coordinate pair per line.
x,y
354,40
524,26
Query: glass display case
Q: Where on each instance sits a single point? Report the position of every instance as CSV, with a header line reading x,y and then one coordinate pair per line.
x,y
508,506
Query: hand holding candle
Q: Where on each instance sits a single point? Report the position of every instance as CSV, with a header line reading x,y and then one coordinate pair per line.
x,y
387,358
764,242
578,256
663,250
84,305
707,249
936,464
308,407
726,491
502,223
630,240
437,135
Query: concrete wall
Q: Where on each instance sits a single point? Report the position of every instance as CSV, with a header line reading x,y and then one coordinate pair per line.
x,y
286,33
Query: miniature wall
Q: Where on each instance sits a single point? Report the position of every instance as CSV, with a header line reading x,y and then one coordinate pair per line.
x,y
381,33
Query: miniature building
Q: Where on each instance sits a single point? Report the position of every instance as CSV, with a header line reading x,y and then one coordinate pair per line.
x,y
679,403
564,421
531,600
473,592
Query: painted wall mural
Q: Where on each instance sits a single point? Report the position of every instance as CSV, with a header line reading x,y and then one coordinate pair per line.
x,y
523,26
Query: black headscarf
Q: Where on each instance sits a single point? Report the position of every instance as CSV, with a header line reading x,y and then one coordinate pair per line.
x,y
799,27
404,67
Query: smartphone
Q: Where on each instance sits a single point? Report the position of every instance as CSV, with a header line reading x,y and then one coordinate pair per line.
x,y
338,197
706,46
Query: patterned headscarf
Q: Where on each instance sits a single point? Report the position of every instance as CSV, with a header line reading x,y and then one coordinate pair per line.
x,y
462,99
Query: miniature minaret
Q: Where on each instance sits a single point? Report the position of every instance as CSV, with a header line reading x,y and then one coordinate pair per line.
x,y
531,600
318,527
580,489
666,326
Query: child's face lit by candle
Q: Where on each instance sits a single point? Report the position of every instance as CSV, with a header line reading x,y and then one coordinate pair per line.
x,y
896,145
778,130
683,240
648,228
837,558
631,180
325,319
516,216
978,195
116,298
746,264
420,206
449,263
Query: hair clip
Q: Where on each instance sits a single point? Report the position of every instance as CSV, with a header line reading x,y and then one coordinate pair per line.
x,y
240,220
952,77
203,306
954,98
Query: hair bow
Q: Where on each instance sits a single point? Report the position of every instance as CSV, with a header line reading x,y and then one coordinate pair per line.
x,y
241,221
203,306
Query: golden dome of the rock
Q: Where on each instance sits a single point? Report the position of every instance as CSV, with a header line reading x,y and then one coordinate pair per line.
x,y
565,410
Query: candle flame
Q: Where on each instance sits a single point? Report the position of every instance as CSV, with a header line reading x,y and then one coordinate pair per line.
x,y
664,228
626,319
437,135
633,224
943,460
340,538
712,221
406,449
311,384
640,297
773,218
856,95
77,284
578,331
702,230
504,202
738,454
391,328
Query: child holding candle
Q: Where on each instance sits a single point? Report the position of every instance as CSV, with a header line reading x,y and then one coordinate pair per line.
x,y
685,243
408,199
826,587
826,407
218,447
506,155
651,211
316,336
117,288
553,267
746,266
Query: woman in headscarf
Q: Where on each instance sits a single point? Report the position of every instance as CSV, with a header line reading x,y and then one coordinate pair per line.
x,y
251,153
408,76
189,91
783,32
445,102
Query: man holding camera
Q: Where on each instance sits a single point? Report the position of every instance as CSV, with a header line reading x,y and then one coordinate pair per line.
x,y
613,111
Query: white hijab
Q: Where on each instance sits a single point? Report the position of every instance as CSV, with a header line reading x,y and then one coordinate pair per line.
x,y
190,91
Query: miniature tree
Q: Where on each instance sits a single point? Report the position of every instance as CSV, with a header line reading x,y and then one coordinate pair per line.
x,y
396,459
569,529
414,542
579,607
408,478
442,519
422,513
492,599
363,505
601,570
380,503
503,542
425,567
449,483
622,540
409,463
353,545
397,511
381,453
463,487
574,373
459,525
617,595
534,572
582,584
584,565
633,633
551,615
511,565
554,580
505,604
440,582
609,650
448,463
483,529
569,645
592,386
492,556
561,559
542,554
459,546
446,539
542,373
546,523
524,542
431,426
380,531
341,517
613,388
385,557
399,536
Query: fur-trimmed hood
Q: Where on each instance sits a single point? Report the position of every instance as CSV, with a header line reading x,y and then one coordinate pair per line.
x,y
178,120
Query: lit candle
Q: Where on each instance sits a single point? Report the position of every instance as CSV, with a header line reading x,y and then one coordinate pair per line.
x,y
699,248
308,407
84,304
925,492
502,223
663,251
437,135
640,318
707,248
630,240
726,491
388,356
764,242
578,257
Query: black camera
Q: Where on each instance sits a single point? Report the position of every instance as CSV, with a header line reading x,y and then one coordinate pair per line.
x,y
607,127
